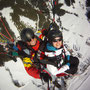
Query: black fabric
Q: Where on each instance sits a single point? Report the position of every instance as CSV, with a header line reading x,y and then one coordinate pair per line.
x,y
46,61
74,61
23,46
42,46
45,32
45,76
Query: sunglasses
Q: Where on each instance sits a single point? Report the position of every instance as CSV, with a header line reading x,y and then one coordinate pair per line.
x,y
29,39
56,40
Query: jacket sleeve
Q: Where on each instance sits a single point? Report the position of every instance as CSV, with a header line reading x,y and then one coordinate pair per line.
x,y
22,51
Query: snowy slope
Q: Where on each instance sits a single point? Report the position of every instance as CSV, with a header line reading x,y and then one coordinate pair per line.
x,y
80,82
13,75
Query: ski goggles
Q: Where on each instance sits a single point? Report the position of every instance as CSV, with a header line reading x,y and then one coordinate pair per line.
x,y
56,40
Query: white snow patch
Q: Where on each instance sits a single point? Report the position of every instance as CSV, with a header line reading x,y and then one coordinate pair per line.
x,y
28,21
6,13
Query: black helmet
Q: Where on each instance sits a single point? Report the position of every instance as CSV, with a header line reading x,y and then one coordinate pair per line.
x,y
27,34
53,34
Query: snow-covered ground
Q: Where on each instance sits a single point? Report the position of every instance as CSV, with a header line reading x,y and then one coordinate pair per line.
x,y
76,37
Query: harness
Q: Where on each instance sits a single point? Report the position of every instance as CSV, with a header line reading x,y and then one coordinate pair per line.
x,y
56,57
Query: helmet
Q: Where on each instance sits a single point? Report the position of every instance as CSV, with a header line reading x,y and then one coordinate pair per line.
x,y
27,34
53,34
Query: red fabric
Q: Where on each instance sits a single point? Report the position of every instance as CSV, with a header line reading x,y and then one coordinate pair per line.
x,y
55,3
19,47
61,74
42,55
32,71
43,30
36,46
40,36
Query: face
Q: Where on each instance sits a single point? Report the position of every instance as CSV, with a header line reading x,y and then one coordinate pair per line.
x,y
32,42
57,42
